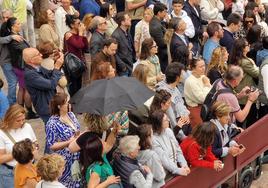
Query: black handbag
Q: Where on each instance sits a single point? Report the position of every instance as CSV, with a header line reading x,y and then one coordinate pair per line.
x,y
73,66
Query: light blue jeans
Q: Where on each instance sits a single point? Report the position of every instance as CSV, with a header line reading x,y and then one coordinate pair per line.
x,y
6,177
11,81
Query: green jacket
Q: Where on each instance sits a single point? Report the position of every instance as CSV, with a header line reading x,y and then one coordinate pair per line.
x,y
251,72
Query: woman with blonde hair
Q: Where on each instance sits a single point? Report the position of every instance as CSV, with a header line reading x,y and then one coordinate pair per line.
x,y
96,123
12,129
50,168
142,30
141,73
223,143
218,64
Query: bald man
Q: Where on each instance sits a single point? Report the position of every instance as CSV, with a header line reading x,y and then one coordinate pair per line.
x,y
40,82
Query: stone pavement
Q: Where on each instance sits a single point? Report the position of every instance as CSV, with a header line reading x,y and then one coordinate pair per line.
x,y
39,130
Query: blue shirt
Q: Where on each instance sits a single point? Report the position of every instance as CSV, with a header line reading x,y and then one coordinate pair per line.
x,y
4,104
88,7
209,46
261,55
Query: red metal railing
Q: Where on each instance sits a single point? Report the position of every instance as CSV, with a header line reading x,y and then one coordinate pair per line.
x,y
255,139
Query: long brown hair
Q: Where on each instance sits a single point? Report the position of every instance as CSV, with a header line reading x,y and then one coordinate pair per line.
x,y
146,46
11,115
204,135
144,133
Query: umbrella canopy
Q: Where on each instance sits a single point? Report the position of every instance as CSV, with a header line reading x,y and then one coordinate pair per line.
x,y
105,96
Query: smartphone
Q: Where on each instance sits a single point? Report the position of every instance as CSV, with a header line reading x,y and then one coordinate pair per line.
x,y
241,146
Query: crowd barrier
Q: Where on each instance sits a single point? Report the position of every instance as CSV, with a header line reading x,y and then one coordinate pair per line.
x,y
255,139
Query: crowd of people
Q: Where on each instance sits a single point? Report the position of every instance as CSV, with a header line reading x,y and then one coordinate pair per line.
x,y
158,42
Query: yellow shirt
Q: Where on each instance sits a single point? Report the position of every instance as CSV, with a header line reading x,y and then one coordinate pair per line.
x,y
18,8
22,173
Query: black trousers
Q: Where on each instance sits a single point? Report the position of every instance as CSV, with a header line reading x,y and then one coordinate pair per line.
x,y
75,83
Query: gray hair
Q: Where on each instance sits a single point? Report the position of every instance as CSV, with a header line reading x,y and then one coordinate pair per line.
x,y
233,72
129,144
95,22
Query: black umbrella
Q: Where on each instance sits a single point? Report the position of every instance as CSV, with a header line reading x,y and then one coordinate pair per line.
x,y
111,95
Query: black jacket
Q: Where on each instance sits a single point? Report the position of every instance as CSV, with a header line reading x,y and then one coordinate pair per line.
x,y
177,45
196,19
157,31
96,42
125,56
15,49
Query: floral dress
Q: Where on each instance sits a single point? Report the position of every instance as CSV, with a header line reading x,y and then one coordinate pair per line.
x,y
58,131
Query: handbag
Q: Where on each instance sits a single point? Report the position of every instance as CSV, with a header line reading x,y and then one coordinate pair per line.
x,y
73,66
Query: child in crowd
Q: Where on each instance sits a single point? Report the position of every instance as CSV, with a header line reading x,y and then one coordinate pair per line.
x,y
50,168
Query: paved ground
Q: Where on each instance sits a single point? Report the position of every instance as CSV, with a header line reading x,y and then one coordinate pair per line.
x,y
38,127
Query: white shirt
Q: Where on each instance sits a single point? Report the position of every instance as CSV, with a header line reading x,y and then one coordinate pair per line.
x,y
18,135
195,91
47,184
264,73
61,27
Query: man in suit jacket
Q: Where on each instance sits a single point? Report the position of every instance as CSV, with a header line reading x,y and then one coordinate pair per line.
x,y
179,41
157,31
193,11
125,56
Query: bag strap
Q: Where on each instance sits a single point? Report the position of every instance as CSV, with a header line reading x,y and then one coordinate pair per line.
x,y
10,137
173,151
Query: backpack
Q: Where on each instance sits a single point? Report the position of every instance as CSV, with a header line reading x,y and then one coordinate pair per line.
x,y
211,97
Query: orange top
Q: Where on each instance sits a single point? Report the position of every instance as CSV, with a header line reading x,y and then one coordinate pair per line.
x,y
22,173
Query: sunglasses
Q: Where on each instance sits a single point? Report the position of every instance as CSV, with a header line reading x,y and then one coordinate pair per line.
x,y
249,21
